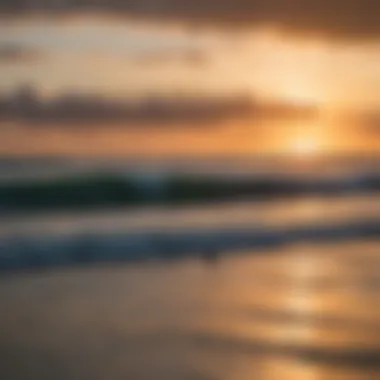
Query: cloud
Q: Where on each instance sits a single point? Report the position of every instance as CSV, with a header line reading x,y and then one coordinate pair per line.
x,y
336,18
189,57
10,53
366,122
27,106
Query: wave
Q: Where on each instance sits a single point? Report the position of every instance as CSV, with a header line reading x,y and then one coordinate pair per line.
x,y
31,252
112,190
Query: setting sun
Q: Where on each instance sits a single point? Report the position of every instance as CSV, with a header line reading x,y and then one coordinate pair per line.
x,y
306,146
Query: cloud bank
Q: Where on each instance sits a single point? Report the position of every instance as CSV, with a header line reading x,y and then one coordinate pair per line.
x,y
335,18
27,106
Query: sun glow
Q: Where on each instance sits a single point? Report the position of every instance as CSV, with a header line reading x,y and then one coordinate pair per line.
x,y
305,146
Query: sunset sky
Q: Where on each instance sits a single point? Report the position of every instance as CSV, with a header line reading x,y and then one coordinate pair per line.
x,y
333,67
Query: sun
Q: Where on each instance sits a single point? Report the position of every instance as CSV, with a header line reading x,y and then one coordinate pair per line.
x,y
305,147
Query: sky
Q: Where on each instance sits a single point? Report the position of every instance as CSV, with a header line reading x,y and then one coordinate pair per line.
x,y
304,54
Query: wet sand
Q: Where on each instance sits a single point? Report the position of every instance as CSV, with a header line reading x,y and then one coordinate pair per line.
x,y
302,312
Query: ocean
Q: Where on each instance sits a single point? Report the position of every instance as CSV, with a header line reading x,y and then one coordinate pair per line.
x,y
285,286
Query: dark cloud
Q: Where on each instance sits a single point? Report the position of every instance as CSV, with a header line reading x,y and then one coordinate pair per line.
x,y
27,106
15,53
338,18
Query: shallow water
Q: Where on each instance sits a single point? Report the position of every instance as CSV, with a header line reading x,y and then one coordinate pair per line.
x,y
303,312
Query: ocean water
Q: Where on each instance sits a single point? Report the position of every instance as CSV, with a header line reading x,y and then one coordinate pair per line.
x,y
64,239
287,288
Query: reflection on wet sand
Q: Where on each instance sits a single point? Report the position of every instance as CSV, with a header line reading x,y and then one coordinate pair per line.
x,y
302,313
